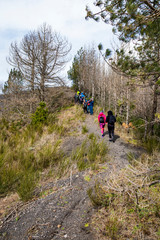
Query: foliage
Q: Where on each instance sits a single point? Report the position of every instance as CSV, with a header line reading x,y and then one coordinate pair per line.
x,y
130,18
40,115
14,83
73,73
141,132
26,151
152,144
27,186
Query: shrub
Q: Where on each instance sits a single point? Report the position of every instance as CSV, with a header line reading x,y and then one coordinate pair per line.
x,y
152,144
8,179
93,150
40,115
27,185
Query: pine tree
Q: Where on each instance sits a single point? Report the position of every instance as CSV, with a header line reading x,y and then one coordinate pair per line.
x,y
15,83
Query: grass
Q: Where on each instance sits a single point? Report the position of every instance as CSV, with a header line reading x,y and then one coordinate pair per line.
x,y
129,203
84,129
26,151
90,153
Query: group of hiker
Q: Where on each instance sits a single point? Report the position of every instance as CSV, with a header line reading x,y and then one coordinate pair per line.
x,y
86,102
110,119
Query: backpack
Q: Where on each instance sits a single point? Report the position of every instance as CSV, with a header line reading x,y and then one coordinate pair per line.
x,y
101,120
111,120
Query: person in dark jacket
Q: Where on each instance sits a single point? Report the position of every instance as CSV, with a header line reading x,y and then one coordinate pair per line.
x,y
111,124
85,106
75,98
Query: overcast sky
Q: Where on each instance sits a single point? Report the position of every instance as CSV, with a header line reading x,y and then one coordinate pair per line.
x,y
67,17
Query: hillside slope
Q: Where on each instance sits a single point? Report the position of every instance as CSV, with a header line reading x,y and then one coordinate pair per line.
x,y
64,210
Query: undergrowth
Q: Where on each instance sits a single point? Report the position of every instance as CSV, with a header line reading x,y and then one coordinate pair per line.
x,y
90,153
129,203
26,150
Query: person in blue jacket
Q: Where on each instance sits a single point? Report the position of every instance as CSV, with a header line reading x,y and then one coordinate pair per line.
x,y
81,98
91,106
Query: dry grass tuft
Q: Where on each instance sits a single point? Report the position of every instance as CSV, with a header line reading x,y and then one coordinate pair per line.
x,y
133,209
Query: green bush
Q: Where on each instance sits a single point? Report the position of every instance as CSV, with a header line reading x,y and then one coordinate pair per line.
x,y
93,150
40,115
152,144
8,179
27,185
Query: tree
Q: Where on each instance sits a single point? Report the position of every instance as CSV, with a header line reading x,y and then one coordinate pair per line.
x,y
132,19
24,58
135,20
14,84
40,57
73,74
83,70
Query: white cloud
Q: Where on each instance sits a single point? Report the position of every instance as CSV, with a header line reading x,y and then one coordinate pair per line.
x,y
67,17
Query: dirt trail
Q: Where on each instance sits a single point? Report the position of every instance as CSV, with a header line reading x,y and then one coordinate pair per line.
x,y
119,150
65,213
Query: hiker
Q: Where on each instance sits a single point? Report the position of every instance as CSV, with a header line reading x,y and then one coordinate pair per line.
x,y
91,106
111,123
102,122
82,95
85,105
81,98
88,106
75,98
78,92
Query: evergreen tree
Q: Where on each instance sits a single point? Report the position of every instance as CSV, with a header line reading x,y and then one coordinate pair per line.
x,y
14,84
73,74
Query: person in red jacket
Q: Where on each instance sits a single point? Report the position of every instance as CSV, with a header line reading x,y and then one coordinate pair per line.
x,y
102,122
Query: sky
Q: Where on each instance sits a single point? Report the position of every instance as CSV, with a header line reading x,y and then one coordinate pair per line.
x,y
67,17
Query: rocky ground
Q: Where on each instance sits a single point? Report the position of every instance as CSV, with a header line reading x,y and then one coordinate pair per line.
x,y
66,210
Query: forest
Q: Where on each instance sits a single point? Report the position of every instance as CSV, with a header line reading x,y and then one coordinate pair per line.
x,y
126,80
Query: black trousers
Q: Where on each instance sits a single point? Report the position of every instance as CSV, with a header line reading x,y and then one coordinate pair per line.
x,y
111,131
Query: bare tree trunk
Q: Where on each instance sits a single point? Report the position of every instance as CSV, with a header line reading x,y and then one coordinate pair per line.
x,y
145,131
128,107
154,108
